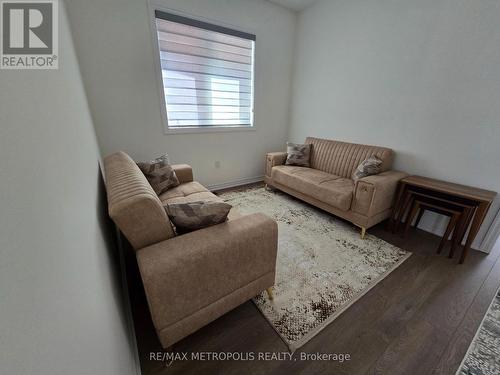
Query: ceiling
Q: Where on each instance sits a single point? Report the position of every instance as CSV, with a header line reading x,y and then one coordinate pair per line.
x,y
296,5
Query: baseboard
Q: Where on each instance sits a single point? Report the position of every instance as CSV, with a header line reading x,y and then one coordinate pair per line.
x,y
234,183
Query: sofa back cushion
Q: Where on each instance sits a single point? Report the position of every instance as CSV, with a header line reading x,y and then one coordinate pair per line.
x,y
132,203
342,158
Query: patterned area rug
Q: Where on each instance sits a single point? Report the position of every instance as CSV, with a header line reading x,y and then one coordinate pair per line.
x,y
483,356
323,265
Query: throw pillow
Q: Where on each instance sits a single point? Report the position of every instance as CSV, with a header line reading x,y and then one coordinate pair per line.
x,y
298,154
159,173
368,167
187,217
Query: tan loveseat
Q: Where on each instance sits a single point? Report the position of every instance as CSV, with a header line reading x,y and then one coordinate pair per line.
x,y
328,185
194,278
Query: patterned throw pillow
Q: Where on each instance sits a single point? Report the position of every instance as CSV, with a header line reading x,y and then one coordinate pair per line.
x,y
187,217
297,154
160,174
368,167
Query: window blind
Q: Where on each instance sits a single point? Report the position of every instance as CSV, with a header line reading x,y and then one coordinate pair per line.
x,y
207,73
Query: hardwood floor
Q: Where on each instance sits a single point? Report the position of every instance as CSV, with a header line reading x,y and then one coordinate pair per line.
x,y
419,320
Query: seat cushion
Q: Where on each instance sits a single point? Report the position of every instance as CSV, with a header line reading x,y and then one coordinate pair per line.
x,y
184,190
331,189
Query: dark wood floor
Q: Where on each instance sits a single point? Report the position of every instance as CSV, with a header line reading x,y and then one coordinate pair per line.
x,y
419,320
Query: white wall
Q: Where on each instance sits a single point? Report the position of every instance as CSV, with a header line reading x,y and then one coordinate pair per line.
x,y
60,304
421,77
114,44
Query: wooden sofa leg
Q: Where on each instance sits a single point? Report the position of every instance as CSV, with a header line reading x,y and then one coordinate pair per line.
x,y
270,188
363,233
270,293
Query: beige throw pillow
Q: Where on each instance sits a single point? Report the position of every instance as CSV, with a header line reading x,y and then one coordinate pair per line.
x,y
368,167
187,217
298,154
159,173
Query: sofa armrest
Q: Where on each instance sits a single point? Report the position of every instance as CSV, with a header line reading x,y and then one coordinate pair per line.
x,y
188,272
375,194
184,172
273,159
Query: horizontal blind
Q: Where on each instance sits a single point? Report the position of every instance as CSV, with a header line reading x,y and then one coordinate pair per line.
x,y
207,73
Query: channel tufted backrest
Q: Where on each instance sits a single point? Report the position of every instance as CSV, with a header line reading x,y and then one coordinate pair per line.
x,y
342,158
132,203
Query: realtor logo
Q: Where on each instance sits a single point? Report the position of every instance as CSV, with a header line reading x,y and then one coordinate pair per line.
x,y
29,38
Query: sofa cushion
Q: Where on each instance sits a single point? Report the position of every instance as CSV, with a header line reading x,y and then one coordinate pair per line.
x,y
195,197
189,192
297,154
159,173
368,167
187,217
184,190
331,189
194,192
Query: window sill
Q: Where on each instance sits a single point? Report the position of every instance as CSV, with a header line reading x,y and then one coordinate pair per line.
x,y
209,129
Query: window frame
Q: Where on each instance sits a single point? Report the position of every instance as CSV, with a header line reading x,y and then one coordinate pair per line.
x,y
153,8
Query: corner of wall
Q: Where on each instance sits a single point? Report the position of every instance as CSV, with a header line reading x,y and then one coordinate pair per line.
x,y
291,96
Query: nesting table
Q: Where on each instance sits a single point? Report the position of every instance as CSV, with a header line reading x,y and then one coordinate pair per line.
x,y
474,204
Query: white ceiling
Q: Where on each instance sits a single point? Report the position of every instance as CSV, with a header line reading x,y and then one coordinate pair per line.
x,y
296,5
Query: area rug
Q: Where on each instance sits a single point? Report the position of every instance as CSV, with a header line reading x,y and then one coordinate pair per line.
x,y
483,356
323,265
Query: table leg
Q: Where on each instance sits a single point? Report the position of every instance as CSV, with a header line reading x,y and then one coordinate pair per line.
x,y
397,205
407,200
460,230
419,217
479,216
451,225
415,206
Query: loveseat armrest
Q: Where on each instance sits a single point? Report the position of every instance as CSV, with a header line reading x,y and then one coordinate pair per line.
x,y
184,172
186,273
375,194
273,159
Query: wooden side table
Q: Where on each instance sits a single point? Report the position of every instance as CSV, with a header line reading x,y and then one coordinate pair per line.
x,y
479,199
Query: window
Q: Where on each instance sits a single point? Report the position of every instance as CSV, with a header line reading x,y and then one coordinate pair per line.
x,y
207,73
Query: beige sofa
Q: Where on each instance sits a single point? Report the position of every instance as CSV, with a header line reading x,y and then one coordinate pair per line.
x,y
328,185
194,278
